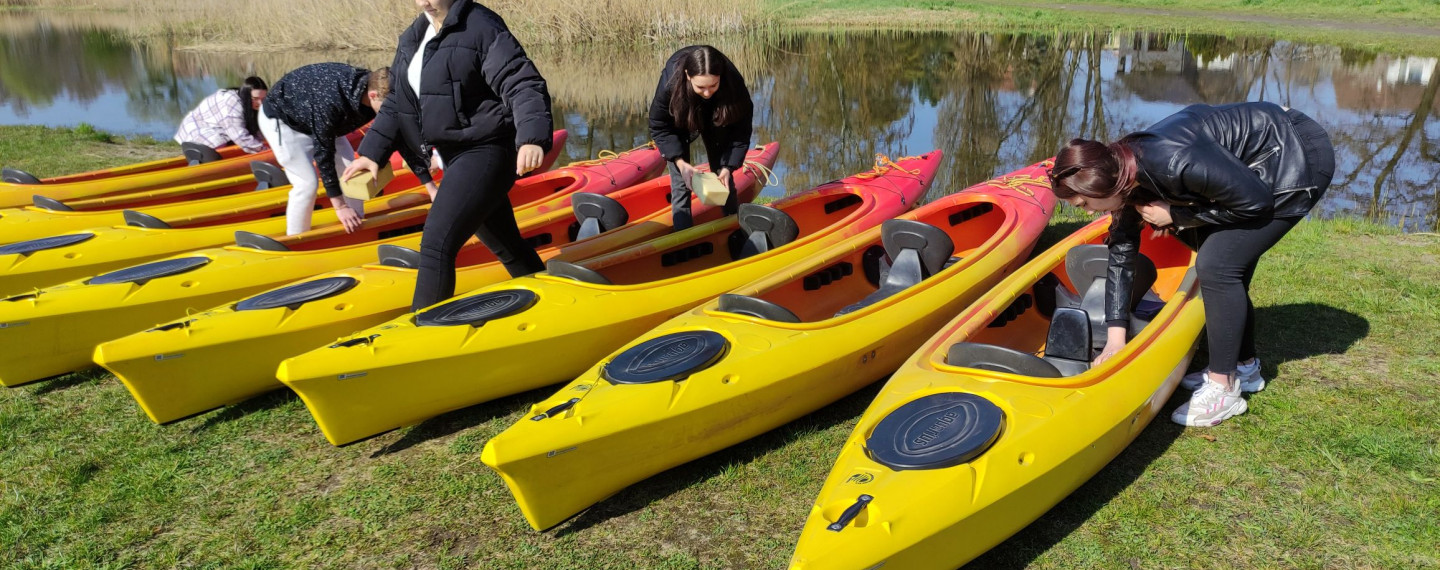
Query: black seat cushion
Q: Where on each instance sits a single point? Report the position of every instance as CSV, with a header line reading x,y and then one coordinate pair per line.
x,y
756,307
1087,266
261,242
31,246
575,271
17,176
669,357
268,175
765,229
999,359
596,214
935,432
919,250
476,310
198,153
294,296
1068,344
140,274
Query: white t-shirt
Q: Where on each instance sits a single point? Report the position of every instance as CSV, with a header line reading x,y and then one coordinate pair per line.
x,y
412,73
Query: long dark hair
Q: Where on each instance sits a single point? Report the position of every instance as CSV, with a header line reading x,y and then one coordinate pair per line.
x,y
1095,170
686,106
252,115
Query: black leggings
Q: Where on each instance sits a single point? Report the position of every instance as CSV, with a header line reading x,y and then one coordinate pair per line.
x,y
474,198
1228,255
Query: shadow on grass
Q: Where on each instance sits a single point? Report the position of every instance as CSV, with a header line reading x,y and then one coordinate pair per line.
x,y
268,401
1284,333
667,483
63,381
463,419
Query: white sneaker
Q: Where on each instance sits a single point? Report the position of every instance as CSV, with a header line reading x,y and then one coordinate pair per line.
x,y
1210,405
1250,380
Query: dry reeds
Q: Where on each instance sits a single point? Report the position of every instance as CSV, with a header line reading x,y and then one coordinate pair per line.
x,y
374,24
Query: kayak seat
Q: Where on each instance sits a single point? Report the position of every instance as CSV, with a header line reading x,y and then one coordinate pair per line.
x,y
294,296
17,176
575,271
1087,266
40,244
143,220
673,356
253,240
919,250
935,432
595,214
999,359
765,229
50,204
479,309
392,255
198,153
1068,344
143,273
267,175
756,307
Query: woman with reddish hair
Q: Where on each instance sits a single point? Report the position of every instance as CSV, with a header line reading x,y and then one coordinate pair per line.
x,y
1229,181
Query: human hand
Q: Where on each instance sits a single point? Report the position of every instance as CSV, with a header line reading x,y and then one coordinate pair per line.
x,y
686,171
348,216
528,159
724,176
360,164
431,189
1156,213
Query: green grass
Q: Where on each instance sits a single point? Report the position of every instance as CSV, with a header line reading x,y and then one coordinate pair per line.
x,y
1335,466
1357,24
46,152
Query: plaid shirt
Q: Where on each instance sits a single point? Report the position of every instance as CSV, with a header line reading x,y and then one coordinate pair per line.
x,y
217,121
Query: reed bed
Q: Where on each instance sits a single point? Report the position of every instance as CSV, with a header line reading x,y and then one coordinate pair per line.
x,y
374,24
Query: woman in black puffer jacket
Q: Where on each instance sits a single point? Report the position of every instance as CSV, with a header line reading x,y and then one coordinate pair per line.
x,y
465,88
1230,181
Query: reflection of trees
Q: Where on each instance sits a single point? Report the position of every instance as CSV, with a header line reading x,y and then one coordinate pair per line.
x,y
36,67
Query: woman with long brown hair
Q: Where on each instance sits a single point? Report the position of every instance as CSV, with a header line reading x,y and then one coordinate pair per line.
x,y
1230,181
700,94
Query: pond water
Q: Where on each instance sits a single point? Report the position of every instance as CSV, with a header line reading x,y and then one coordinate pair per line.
x,y
992,102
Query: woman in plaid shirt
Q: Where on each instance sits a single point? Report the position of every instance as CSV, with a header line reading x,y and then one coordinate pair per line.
x,y
228,116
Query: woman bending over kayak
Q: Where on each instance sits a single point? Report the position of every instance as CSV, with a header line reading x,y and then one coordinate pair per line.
x,y
700,92
467,90
1229,181
228,116
306,117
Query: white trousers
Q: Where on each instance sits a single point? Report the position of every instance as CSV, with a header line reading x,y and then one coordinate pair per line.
x,y
295,151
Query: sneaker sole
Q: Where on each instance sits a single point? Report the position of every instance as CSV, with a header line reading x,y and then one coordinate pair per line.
x,y
1240,407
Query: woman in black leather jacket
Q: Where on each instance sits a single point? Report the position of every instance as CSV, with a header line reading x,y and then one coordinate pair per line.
x,y
1230,181
464,88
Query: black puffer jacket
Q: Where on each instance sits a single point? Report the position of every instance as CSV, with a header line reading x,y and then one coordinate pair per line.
x,y
1214,165
477,87
326,101
726,146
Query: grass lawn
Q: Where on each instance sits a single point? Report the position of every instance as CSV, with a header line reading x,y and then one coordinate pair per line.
x,y
1335,466
1403,26
47,152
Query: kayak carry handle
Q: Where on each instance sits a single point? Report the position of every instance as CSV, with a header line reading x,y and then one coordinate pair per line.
x,y
366,340
550,413
850,513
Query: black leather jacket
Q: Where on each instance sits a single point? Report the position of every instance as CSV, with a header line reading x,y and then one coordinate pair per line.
x,y
1215,166
477,87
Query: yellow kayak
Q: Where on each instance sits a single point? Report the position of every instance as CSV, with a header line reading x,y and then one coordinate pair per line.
x,y
187,205
768,352
63,323
999,416
53,260
18,188
230,354
539,330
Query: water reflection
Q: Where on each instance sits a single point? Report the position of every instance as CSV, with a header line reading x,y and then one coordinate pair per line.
x,y
993,102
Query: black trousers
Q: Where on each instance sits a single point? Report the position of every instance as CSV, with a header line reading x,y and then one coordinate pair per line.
x,y
1227,257
680,198
474,199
